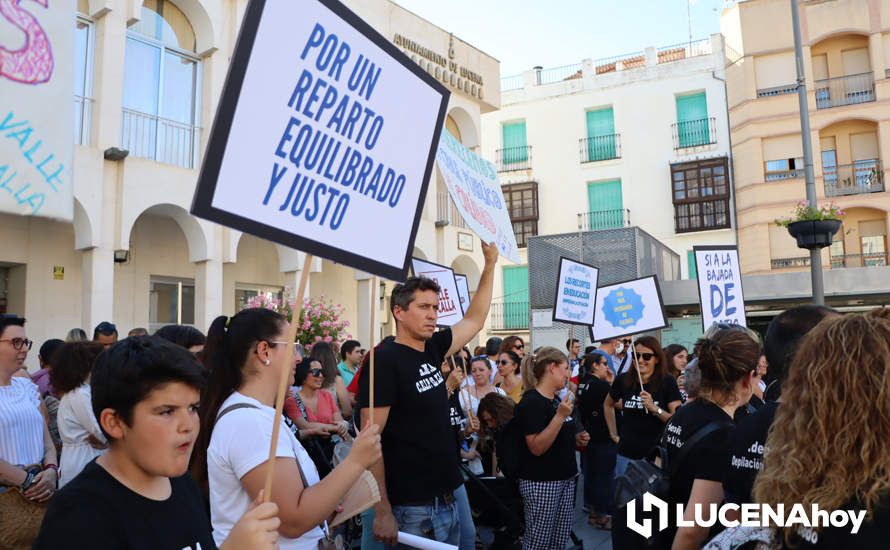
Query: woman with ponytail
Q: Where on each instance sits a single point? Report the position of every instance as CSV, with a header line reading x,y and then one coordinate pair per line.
x,y
727,361
245,355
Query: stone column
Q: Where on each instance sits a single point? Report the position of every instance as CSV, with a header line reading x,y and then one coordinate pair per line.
x,y
208,292
98,288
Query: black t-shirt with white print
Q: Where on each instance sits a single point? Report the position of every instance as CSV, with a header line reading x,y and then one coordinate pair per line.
x,y
534,413
874,532
638,430
418,441
457,418
95,510
746,447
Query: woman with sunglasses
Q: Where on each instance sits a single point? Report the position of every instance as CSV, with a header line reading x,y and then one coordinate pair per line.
x,y
644,411
508,372
514,344
245,354
319,405
28,462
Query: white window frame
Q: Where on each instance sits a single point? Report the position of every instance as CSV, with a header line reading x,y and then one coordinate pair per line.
x,y
259,289
86,100
179,282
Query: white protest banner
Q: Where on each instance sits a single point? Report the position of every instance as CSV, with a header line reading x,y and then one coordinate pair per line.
x,y
575,293
36,126
474,187
719,285
450,311
627,308
329,152
463,291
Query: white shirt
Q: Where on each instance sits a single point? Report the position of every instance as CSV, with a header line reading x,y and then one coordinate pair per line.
x,y
240,443
21,423
76,423
473,400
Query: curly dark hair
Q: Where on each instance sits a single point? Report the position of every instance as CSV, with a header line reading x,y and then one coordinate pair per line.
x,y
71,365
500,408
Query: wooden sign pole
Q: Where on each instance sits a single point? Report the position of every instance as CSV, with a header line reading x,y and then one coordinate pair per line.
x,y
285,375
374,284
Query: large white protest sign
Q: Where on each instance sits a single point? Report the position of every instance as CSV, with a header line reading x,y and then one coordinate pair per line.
x,y
324,137
473,185
719,285
450,311
575,293
463,290
36,132
627,308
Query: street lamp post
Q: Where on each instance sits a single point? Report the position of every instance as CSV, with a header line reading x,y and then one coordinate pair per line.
x,y
809,178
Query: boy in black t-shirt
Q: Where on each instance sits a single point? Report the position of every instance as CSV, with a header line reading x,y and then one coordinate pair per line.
x,y
145,394
420,468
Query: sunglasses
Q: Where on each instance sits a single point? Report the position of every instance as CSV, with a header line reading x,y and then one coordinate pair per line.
x,y
274,343
519,346
645,356
316,372
505,362
19,343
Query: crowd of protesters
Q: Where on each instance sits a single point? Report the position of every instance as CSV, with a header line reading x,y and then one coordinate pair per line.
x,y
162,441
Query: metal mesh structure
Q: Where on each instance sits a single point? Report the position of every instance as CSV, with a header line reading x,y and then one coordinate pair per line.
x,y
620,254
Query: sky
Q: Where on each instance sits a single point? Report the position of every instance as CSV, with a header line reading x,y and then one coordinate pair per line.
x,y
552,33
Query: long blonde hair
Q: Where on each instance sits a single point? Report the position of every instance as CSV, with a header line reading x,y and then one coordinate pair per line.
x,y
829,441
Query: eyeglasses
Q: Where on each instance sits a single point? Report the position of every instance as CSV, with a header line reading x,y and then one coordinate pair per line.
x,y
275,342
645,356
19,343
626,342
317,372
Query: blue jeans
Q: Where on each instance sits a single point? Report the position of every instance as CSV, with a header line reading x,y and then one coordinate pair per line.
x,y
368,540
599,478
437,521
621,463
465,517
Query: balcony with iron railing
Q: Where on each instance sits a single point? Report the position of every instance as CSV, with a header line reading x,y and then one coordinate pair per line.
x,y
508,315
845,90
694,133
161,139
511,159
83,113
863,176
603,219
873,259
777,90
597,148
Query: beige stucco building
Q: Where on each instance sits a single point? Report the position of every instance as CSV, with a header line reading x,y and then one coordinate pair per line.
x,y
846,53
148,77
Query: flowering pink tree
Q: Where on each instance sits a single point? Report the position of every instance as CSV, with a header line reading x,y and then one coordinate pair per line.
x,y
320,320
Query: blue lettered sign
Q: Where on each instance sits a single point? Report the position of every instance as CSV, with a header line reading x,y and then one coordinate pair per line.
x,y
325,137
719,285
575,293
626,308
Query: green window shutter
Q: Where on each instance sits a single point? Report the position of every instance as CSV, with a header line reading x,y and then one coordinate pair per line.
x,y
600,134
515,297
692,120
514,141
690,260
605,206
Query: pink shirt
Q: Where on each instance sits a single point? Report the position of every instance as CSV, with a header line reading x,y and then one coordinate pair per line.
x,y
326,408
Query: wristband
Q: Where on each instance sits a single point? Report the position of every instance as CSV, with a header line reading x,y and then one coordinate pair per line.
x,y
51,466
27,483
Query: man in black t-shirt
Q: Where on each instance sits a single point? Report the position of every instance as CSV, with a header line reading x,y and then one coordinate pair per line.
x,y
420,470
145,394
748,441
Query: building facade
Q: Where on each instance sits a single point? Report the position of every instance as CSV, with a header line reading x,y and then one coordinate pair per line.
x,y
148,75
846,59
639,139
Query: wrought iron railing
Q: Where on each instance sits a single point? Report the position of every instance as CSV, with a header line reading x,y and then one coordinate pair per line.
x,y
873,259
159,138
627,61
863,176
447,212
784,263
514,158
603,219
83,116
694,133
598,148
558,74
678,52
777,90
845,90
509,315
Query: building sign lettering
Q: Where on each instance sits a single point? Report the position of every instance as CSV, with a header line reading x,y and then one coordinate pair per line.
x,y
445,69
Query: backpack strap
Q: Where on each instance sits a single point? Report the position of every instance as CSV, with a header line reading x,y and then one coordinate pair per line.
x,y
236,406
697,436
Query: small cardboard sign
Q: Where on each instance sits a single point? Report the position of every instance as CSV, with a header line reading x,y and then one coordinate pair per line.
x,y
628,308
575,293
719,285
450,311
324,139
